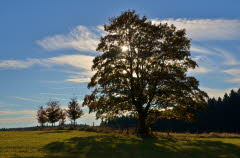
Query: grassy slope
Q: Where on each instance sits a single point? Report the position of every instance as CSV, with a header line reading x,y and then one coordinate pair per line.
x,y
97,145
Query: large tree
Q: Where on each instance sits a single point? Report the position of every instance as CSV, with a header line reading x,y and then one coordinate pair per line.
x,y
74,111
142,71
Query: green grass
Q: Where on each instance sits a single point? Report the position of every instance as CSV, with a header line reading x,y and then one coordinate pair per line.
x,y
64,144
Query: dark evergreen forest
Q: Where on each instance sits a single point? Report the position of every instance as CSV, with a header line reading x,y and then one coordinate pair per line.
x,y
222,115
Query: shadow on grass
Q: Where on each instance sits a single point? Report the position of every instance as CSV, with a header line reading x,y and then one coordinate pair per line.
x,y
55,131
122,147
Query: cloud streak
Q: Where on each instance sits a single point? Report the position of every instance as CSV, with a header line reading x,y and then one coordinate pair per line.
x,y
207,29
82,64
234,74
76,61
86,39
22,112
25,99
80,38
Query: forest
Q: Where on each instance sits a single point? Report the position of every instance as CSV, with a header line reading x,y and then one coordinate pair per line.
x,y
222,115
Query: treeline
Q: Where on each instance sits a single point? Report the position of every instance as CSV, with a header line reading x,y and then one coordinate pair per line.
x,y
222,115
53,113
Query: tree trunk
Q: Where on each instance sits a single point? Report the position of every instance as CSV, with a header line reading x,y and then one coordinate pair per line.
x,y
142,129
74,123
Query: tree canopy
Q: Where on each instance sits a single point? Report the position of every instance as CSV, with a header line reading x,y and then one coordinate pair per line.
x,y
142,71
42,116
74,111
53,111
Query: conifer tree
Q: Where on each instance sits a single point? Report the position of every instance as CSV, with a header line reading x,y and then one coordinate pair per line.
x,y
74,111
53,111
42,116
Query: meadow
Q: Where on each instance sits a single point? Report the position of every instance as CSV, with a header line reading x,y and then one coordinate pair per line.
x,y
83,144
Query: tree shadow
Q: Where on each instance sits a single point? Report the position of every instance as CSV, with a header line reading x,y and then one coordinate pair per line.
x,y
55,131
122,147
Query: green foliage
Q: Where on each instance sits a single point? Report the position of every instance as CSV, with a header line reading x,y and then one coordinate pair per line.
x,y
74,111
72,144
42,116
142,71
53,111
62,117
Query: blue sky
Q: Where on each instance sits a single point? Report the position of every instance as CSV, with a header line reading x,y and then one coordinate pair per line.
x,y
47,47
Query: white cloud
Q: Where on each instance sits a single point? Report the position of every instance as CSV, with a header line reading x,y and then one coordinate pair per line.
x,y
80,38
55,94
207,29
235,75
233,72
78,80
18,122
21,112
83,63
89,119
235,80
227,56
216,92
78,76
198,49
25,99
19,118
14,64
205,65
77,61
200,70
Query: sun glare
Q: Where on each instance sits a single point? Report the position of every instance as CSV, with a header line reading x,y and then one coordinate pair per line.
x,y
124,48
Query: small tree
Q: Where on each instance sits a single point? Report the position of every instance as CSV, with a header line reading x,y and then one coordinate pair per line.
x,y
62,117
53,111
42,116
74,111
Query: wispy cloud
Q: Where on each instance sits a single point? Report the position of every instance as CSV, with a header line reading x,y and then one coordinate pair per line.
x,y
80,38
205,65
18,64
84,38
77,61
81,64
25,99
21,118
199,70
20,112
207,29
229,58
234,74
199,49
78,80
55,94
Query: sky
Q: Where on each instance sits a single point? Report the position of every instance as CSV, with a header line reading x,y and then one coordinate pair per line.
x,y
47,48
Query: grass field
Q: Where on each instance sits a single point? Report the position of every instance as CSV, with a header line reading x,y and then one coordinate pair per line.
x,y
64,144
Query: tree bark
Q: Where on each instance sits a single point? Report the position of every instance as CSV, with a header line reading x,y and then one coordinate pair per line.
x,y
142,128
